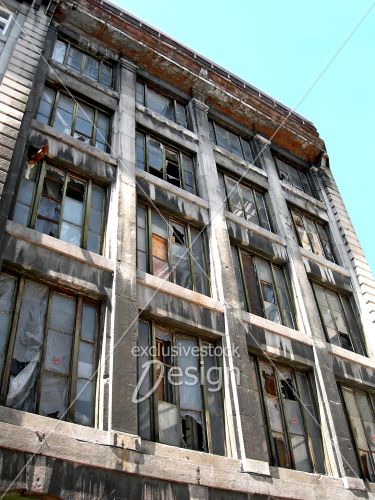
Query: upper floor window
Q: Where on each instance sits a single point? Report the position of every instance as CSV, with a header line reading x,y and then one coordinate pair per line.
x,y
263,288
312,235
234,143
160,103
172,250
69,116
48,350
294,176
182,379
165,162
5,19
360,408
90,66
245,201
61,204
292,420
339,320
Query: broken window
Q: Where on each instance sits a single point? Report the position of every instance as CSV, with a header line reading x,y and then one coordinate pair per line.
x,y
235,144
5,19
245,202
360,410
337,313
84,122
61,205
171,250
312,235
186,400
49,354
263,288
165,162
162,104
294,176
294,431
94,68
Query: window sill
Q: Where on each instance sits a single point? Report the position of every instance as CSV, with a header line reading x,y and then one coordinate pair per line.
x,y
167,186
254,227
84,79
58,246
324,262
276,328
350,356
165,121
75,143
239,161
178,291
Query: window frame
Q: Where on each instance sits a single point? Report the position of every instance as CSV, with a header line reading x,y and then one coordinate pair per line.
x,y
284,322
284,176
254,190
200,343
146,137
169,219
145,98
254,153
258,360
85,54
80,300
7,22
317,225
37,195
76,102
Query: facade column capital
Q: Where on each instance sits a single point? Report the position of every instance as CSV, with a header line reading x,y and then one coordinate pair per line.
x,y
126,64
197,103
265,142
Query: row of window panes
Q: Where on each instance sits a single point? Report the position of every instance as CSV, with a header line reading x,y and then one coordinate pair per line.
x,y
263,288
48,350
5,19
162,104
171,250
69,116
186,408
61,205
234,143
244,201
90,66
294,176
165,162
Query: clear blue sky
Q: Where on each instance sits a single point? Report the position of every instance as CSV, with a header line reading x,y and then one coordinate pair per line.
x,y
281,48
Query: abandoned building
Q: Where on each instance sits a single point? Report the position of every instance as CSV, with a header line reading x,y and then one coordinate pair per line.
x,y
185,309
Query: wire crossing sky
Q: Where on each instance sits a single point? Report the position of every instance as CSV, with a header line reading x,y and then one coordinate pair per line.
x,y
282,48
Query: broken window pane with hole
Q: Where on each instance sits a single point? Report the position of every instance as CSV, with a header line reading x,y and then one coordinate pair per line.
x,y
160,104
84,123
73,213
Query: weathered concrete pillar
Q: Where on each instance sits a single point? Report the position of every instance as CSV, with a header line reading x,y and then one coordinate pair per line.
x,y
335,433
124,299
245,430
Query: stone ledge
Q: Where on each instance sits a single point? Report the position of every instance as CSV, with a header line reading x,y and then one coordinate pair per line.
x,y
350,356
306,197
58,246
253,227
237,160
324,262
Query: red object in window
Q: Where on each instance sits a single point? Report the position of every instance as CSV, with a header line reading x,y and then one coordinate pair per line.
x,y
56,360
294,421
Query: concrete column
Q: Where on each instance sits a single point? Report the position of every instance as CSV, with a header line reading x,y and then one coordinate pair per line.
x,y
334,427
245,429
124,300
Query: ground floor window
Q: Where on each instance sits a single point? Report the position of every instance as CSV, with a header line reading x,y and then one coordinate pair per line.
x,y
48,350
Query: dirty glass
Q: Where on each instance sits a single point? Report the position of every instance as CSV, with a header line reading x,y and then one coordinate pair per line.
x,y
27,351
228,140
165,390
180,257
73,213
102,132
144,407
64,115
159,246
84,406
353,319
89,322
160,104
7,289
180,114
247,152
26,193
74,59
142,262
238,275
140,93
54,395
249,205
49,209
155,158
314,237
106,75
201,277
234,196
96,215
91,67
188,173
84,123
140,151
324,239
262,211
45,105
283,297
301,231
59,51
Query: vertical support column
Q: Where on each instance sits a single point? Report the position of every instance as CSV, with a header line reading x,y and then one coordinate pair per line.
x,y
124,300
245,428
334,427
